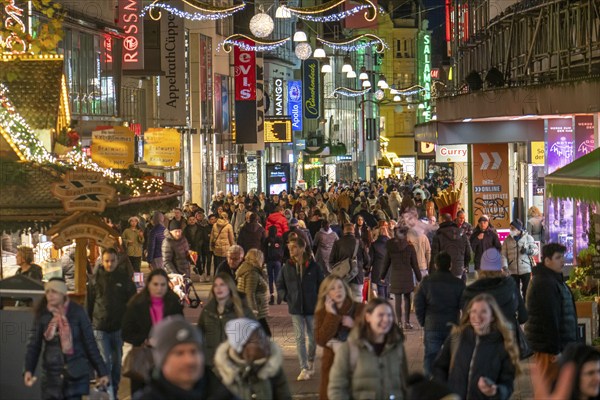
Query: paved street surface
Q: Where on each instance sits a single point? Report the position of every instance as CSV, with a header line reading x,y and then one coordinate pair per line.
x,y
283,334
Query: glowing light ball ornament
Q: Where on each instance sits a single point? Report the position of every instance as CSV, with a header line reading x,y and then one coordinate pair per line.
x,y
379,94
261,25
303,50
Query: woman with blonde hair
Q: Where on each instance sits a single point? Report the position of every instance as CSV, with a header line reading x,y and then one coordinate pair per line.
x,y
480,358
335,316
221,238
377,341
252,281
535,224
224,304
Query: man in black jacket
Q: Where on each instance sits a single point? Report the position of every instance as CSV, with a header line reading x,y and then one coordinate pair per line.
x,y
449,238
109,290
438,302
552,322
483,238
344,248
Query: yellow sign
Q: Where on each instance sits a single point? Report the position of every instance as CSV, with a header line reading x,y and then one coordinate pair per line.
x,y
84,191
537,153
114,147
162,147
278,130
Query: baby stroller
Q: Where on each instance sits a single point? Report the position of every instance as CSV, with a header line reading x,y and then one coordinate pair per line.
x,y
184,288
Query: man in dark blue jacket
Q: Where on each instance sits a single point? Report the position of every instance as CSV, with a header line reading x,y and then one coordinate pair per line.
x,y
298,284
438,302
552,322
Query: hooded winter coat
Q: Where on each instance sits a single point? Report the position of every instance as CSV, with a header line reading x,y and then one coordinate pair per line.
x,y
278,220
518,263
490,239
264,379
322,247
251,281
401,259
250,236
449,238
176,255
221,237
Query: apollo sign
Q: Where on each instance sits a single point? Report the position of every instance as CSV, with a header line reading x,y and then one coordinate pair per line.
x,y
133,26
451,153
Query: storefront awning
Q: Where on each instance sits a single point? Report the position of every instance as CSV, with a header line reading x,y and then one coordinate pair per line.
x,y
384,162
480,132
578,180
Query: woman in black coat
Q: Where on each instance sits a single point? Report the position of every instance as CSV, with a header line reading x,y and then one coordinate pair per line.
x,y
155,302
63,330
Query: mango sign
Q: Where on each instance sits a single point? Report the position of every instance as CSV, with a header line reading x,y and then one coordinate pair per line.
x,y
114,147
162,147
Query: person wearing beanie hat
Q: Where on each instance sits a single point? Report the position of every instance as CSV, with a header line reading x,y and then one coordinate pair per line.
x,y
483,238
249,364
179,369
517,252
176,250
63,329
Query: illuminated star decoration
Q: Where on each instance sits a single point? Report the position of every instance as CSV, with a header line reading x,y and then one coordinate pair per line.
x,y
344,91
205,11
239,40
311,13
356,43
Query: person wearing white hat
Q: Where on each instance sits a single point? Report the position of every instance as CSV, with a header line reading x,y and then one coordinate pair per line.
x,y
249,364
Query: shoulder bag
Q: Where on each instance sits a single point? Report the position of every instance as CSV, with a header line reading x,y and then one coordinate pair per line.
x,y
347,269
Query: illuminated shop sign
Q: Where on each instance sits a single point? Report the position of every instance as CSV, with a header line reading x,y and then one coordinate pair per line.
x,y
425,69
133,26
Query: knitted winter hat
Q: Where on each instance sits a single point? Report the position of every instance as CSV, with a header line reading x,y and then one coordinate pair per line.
x,y
170,332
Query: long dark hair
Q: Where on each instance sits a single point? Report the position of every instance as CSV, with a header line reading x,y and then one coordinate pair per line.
x,y
395,334
155,272
580,354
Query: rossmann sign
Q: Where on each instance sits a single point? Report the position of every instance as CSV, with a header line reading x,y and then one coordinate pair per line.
x,y
133,26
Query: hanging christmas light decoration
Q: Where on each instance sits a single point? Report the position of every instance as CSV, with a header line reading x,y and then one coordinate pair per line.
x,y
236,40
303,50
356,43
312,13
344,91
261,25
205,11
379,95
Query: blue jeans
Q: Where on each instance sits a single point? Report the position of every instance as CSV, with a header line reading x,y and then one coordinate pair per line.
x,y
273,268
110,345
303,327
433,341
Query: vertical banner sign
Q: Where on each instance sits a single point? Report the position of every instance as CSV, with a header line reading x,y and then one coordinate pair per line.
x,y
113,147
133,26
490,184
311,89
172,85
560,143
584,135
206,81
245,95
278,97
260,102
218,105
295,104
424,66
225,103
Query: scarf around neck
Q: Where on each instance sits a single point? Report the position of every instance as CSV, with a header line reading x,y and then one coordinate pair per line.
x,y
60,324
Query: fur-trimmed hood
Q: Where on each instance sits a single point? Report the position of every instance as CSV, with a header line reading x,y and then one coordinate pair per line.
x,y
230,366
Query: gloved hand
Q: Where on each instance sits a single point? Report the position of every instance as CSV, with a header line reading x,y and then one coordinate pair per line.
x,y
523,250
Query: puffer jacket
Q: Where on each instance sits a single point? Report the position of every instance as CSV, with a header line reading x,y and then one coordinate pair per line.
x,y
278,220
449,238
212,325
475,357
490,239
401,259
512,258
251,281
438,301
107,297
300,292
506,293
552,323
155,239
265,380
374,377
251,236
322,247
60,380
176,255
221,238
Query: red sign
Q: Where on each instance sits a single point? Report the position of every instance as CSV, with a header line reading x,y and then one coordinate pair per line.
x,y
133,25
245,73
457,17
435,73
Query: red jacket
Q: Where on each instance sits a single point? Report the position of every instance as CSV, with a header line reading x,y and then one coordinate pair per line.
x,y
278,220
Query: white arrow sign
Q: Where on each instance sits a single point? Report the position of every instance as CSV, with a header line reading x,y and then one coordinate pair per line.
x,y
486,161
497,160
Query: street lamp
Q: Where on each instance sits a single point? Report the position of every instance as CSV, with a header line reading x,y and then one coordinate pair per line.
x,y
300,35
326,67
347,67
351,74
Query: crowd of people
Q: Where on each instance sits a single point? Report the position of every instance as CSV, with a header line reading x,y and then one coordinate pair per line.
x,y
348,262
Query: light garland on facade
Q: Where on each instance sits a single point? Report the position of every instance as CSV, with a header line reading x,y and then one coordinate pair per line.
x,y
344,91
236,40
357,43
21,138
205,11
309,13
